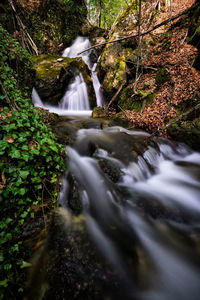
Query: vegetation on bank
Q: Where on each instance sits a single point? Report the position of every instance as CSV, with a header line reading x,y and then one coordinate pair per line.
x,y
31,162
49,23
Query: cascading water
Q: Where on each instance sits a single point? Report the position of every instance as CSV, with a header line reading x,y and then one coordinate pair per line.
x,y
140,199
147,219
80,44
75,100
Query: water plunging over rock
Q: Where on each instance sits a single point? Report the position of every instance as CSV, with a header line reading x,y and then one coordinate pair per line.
x,y
90,58
64,84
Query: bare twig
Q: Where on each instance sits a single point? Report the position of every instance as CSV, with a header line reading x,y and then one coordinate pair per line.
x,y
22,27
177,119
115,96
143,33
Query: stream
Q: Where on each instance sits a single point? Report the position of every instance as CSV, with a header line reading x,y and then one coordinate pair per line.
x,y
128,225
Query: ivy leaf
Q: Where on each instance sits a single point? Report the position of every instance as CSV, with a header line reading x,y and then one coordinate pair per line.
x,y
15,154
4,283
25,264
24,174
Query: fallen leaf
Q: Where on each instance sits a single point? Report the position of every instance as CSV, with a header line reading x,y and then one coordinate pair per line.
x,y
10,140
3,178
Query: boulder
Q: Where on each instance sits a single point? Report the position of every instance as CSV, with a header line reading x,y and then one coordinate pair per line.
x,y
113,67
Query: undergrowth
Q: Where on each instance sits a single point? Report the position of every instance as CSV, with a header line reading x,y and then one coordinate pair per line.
x,y
31,162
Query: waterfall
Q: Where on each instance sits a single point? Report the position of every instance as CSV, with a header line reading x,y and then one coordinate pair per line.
x,y
75,100
76,96
80,44
139,199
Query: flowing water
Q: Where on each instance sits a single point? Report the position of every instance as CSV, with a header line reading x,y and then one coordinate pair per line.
x,y
76,100
140,200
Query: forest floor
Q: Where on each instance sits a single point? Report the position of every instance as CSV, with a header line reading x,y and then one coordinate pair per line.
x,y
180,81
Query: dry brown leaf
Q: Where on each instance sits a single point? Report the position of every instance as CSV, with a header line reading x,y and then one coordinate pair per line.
x,y
10,140
3,178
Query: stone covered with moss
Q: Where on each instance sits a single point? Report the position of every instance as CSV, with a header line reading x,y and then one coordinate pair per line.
x,y
54,73
118,59
187,132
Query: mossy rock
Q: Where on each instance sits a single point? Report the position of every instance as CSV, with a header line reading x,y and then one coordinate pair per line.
x,y
128,18
120,119
187,132
112,66
99,112
49,66
128,100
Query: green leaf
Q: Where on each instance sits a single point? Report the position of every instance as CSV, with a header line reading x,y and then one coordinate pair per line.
x,y
15,154
24,174
25,264
7,267
4,283
54,148
22,191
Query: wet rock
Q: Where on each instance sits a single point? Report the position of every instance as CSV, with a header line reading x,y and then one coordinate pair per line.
x,y
99,112
65,133
120,119
111,169
69,266
187,132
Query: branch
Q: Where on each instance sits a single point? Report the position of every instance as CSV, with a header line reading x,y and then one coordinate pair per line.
x,y
21,25
176,119
181,116
143,33
115,96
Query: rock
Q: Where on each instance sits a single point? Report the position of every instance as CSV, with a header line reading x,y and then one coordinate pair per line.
x,y
99,112
69,266
113,65
187,132
120,119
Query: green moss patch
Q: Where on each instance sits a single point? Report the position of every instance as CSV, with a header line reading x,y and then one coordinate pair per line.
x,y
162,76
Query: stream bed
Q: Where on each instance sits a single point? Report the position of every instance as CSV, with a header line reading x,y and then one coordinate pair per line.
x,y
128,225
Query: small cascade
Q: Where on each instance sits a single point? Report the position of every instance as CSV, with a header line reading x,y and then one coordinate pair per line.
x,y
75,100
76,96
79,45
149,210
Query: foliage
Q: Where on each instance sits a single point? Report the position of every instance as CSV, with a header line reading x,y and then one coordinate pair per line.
x,y
29,161
106,10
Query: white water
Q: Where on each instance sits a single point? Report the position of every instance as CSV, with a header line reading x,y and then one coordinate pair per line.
x,y
76,96
80,44
75,101
166,180
59,111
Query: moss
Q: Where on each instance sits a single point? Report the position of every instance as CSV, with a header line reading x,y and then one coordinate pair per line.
x,y
126,18
187,132
48,66
130,101
162,76
120,119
